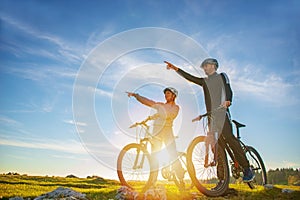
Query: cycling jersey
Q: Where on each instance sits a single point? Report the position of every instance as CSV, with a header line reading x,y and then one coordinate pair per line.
x,y
216,88
166,113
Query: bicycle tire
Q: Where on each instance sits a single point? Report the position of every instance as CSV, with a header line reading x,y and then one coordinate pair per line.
x,y
212,181
257,166
140,178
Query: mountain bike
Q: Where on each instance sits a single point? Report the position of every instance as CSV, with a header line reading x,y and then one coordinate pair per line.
x,y
138,169
208,165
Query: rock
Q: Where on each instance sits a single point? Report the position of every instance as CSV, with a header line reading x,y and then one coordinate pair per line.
x,y
268,186
286,190
62,194
125,193
155,193
16,198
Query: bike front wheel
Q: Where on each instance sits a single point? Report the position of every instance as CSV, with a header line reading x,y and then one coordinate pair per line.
x,y
257,166
211,180
135,168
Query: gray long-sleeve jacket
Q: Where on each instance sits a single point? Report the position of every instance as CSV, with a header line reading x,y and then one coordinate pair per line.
x,y
216,88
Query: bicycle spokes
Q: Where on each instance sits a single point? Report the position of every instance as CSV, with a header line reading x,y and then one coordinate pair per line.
x,y
257,165
134,167
209,171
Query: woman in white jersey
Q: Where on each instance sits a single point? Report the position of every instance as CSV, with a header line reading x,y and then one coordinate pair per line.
x,y
163,125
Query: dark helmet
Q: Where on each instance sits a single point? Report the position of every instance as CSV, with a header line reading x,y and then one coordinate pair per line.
x,y
210,61
171,89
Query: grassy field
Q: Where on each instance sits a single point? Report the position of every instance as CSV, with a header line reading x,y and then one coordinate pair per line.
x,y
100,189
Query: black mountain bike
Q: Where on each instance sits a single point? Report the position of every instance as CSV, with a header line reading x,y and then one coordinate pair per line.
x,y
138,169
208,166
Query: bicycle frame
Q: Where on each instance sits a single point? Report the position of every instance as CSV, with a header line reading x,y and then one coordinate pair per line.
x,y
142,141
208,165
236,167
222,144
167,172
137,165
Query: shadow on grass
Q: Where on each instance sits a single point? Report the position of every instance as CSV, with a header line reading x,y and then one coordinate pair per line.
x,y
268,194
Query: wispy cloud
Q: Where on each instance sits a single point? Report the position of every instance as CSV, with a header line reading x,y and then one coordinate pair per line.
x,y
70,157
269,87
290,164
282,164
4,120
252,80
41,73
72,122
30,107
69,146
63,49
11,126
272,90
58,59
98,36
101,92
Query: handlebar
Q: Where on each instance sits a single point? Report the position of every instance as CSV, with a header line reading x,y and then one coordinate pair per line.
x,y
208,113
138,124
144,122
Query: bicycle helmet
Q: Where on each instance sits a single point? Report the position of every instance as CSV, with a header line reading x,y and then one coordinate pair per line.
x,y
171,89
210,61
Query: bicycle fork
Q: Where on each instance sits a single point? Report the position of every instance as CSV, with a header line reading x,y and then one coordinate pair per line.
x,y
137,164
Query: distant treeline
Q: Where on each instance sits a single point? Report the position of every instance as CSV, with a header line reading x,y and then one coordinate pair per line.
x,y
284,176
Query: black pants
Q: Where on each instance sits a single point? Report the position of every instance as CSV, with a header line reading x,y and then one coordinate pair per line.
x,y
233,143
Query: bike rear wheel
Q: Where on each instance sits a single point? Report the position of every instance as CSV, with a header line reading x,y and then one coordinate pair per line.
x,y
257,166
135,168
210,180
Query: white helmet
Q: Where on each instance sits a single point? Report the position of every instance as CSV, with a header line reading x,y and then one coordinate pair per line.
x,y
171,89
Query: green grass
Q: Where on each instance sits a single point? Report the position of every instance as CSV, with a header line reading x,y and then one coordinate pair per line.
x,y
33,186
100,189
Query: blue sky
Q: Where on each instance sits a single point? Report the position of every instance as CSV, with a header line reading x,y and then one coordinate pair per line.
x,y
46,46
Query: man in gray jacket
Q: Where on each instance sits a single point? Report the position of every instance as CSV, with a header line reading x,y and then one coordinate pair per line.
x,y
217,92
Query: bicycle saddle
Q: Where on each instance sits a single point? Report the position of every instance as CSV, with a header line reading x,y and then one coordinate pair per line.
x,y
238,125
